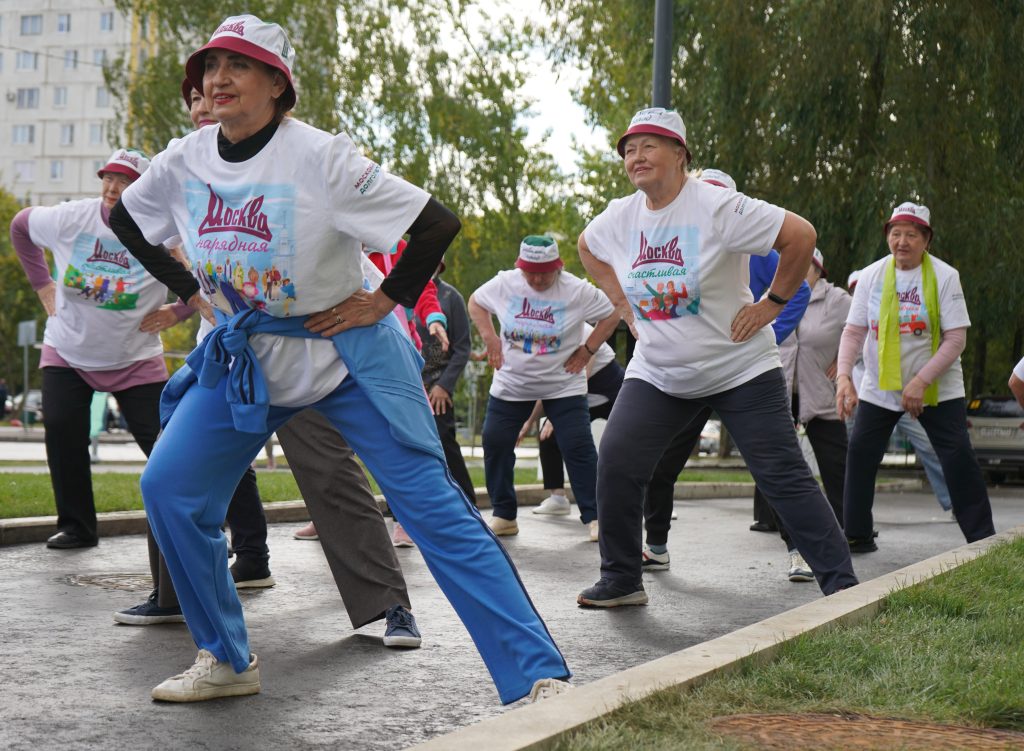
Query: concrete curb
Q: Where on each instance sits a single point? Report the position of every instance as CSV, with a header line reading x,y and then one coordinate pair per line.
x,y
39,528
541,725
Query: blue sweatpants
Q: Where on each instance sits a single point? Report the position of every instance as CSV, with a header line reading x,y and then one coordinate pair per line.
x,y
199,459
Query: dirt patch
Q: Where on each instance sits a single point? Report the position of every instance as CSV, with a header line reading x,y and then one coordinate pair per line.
x,y
855,731
116,582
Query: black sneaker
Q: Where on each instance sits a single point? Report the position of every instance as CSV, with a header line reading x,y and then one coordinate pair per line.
x,y
862,545
251,574
763,527
149,613
608,594
401,629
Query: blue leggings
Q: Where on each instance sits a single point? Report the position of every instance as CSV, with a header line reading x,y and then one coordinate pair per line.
x,y
198,461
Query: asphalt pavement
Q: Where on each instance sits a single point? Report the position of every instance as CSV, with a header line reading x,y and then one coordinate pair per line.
x,y
71,678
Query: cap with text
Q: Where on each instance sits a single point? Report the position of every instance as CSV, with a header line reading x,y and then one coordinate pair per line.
x,y
656,121
538,254
717,177
130,162
910,212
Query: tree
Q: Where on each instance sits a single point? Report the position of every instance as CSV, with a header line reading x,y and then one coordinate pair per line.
x,y
839,111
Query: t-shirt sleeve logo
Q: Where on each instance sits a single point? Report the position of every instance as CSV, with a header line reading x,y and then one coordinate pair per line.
x,y
367,178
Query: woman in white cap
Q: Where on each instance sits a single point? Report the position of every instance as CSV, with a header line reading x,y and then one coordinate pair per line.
x,y
260,193
711,347
100,335
910,319
541,354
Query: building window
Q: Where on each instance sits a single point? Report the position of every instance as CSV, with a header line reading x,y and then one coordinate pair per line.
x,y
95,133
102,96
67,134
97,165
63,23
28,99
107,21
57,170
31,25
99,57
27,61
71,59
25,172
23,134
60,96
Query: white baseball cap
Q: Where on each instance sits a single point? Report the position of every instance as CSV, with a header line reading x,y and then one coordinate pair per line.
x,y
853,278
910,212
130,162
717,177
818,260
657,121
248,35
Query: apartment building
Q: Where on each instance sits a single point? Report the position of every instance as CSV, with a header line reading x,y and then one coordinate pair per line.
x,y
55,110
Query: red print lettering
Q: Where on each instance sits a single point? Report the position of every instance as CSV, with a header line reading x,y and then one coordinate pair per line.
x,y
238,27
536,314
667,253
115,257
248,219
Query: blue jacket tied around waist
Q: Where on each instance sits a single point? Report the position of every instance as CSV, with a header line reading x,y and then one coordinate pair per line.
x,y
380,358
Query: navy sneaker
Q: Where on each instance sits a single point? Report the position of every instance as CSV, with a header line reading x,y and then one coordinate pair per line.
x,y
608,594
401,630
251,574
863,544
149,613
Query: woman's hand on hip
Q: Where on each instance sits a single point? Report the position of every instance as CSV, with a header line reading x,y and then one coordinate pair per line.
x,y
48,297
158,320
494,357
846,397
752,318
913,397
363,308
202,306
577,360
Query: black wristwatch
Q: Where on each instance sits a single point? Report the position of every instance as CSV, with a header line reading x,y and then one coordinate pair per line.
x,y
776,299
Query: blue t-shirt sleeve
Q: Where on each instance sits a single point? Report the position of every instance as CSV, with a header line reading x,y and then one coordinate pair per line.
x,y
789,317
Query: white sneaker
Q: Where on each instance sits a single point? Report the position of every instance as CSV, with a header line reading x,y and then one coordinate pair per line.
x,y
594,531
306,533
799,571
655,561
545,688
209,678
554,505
503,527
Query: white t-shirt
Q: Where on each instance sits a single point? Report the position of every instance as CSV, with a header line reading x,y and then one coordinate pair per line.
x,y
685,272
539,331
103,292
282,231
915,328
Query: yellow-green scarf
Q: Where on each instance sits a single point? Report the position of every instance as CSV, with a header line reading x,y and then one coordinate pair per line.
x,y
890,376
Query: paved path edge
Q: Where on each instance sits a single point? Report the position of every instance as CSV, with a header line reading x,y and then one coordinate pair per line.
x,y
541,725
38,528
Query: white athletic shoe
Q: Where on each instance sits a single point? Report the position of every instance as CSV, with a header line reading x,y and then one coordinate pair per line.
x,y
595,532
799,571
545,688
209,678
503,527
553,505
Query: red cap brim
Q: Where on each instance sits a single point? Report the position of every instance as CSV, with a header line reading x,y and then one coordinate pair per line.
x,y
194,65
906,218
120,169
539,268
653,130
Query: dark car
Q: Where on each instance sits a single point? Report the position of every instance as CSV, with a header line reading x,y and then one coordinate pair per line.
x,y
996,426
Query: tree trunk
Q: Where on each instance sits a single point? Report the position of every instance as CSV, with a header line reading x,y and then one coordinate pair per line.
x,y
978,366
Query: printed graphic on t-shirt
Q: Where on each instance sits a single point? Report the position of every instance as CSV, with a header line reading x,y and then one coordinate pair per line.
x,y
534,326
103,273
913,312
663,281
243,245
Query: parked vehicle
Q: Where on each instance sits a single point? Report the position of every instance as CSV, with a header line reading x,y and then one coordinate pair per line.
x,y
996,427
35,406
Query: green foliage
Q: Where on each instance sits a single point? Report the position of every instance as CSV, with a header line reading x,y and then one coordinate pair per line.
x,y
20,304
838,111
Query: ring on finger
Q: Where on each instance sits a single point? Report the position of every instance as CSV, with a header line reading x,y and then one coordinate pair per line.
x,y
337,318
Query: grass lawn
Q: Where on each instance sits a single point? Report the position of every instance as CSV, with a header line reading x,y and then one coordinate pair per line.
x,y
23,494
949,651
